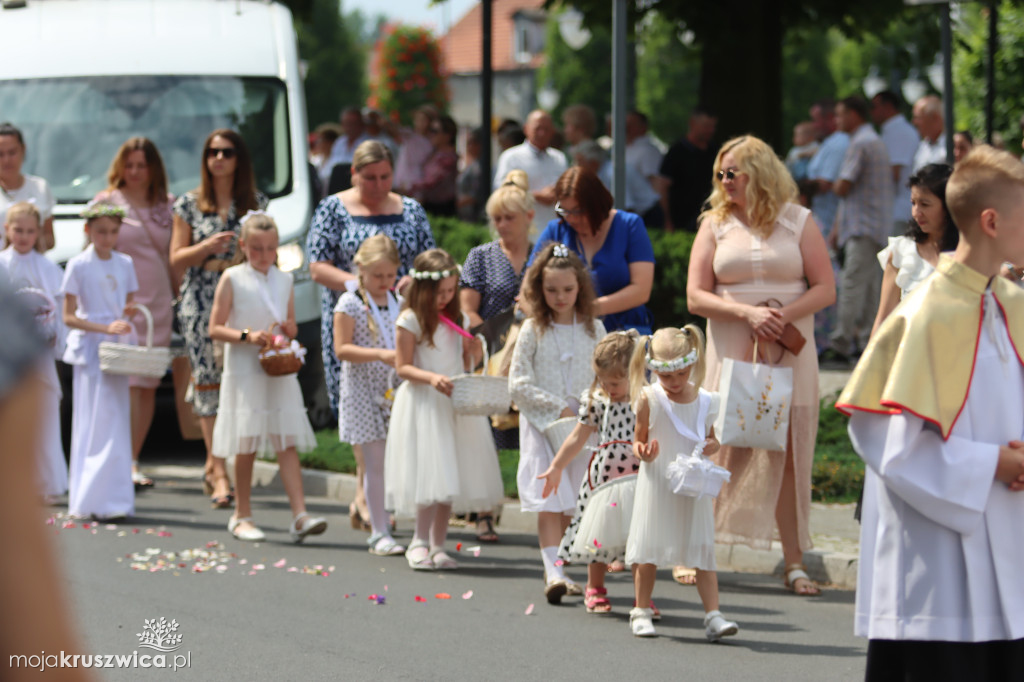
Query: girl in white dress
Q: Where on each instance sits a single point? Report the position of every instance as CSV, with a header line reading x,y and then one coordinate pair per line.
x,y
259,413
909,260
98,288
30,272
364,341
669,529
435,460
550,371
597,534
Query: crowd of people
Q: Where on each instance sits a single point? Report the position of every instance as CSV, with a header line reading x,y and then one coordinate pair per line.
x,y
400,319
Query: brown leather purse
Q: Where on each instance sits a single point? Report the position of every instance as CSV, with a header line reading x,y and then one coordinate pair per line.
x,y
791,338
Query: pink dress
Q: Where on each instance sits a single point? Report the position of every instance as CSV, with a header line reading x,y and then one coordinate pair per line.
x,y
146,236
751,269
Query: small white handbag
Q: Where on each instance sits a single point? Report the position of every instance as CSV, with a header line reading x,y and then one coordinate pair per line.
x,y
756,399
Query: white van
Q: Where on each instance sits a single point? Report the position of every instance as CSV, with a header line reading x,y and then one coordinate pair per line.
x,y
79,77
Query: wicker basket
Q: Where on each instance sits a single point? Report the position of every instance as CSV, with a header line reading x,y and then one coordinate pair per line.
x,y
44,308
559,430
480,394
279,362
132,360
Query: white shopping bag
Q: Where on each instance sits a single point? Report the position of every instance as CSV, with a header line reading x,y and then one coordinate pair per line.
x,y
756,398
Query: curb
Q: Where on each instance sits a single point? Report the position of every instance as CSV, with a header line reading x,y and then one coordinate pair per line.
x,y
837,569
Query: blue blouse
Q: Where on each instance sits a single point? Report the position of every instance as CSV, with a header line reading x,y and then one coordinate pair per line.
x,y
627,242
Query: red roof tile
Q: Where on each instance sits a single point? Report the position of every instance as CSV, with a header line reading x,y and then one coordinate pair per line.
x,y
463,42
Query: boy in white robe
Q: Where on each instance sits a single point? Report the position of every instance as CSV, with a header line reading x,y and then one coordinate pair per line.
x,y
937,405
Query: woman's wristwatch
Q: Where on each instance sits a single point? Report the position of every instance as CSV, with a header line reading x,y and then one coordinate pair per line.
x,y
245,336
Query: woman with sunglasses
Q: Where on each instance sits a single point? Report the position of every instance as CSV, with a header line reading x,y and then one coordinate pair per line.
x,y
436,190
758,264
203,243
613,244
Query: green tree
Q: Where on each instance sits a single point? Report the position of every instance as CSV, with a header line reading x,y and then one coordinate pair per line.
x,y
581,76
335,65
668,75
408,73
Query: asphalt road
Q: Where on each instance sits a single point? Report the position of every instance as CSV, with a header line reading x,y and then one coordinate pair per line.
x,y
250,616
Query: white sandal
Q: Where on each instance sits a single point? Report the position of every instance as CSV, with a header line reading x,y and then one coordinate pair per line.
x,y
796,572
253,534
385,545
640,622
418,556
311,526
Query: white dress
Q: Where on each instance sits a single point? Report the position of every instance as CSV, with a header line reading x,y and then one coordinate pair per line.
x,y
101,432
549,372
911,269
33,270
942,542
434,455
669,529
258,412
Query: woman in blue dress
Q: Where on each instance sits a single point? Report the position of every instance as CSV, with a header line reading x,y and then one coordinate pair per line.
x,y
340,224
613,243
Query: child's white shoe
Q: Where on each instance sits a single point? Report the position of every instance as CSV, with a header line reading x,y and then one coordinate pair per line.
x,y
640,620
716,626
250,534
304,524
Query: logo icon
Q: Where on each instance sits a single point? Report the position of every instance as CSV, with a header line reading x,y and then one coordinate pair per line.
x,y
160,635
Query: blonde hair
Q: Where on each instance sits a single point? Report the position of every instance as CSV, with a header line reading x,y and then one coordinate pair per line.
x,y
370,152
422,297
257,222
983,179
23,208
666,344
513,196
611,357
533,287
770,185
373,250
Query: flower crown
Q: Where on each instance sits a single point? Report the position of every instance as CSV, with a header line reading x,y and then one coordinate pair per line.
x,y
251,214
436,275
103,209
666,366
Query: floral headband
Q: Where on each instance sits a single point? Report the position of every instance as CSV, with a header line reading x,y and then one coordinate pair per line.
x,y
436,275
250,214
103,209
666,366
560,251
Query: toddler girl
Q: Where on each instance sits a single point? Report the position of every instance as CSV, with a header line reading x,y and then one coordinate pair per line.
x,y
364,341
672,415
256,412
550,370
435,459
29,270
597,534
98,288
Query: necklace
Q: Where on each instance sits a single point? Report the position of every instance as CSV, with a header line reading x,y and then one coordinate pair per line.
x,y
565,356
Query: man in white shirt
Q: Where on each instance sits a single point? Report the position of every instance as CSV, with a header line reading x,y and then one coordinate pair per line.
x,y
542,165
901,141
929,122
353,135
644,156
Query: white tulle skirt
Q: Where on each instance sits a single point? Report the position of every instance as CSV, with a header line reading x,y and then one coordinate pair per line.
x,y
436,456
535,456
603,530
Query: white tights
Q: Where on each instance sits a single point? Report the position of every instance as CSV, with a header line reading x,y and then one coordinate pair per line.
x,y
432,523
373,486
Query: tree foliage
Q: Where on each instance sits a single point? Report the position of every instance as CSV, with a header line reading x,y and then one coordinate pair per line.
x,y
581,76
335,65
407,73
668,75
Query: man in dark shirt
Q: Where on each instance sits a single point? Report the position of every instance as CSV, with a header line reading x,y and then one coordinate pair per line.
x,y
686,172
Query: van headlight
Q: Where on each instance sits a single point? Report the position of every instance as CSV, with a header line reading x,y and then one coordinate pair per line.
x,y
290,257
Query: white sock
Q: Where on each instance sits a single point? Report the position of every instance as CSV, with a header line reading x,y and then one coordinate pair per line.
x,y
550,556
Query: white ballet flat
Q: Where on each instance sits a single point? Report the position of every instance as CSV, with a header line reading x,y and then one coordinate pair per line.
x,y
304,524
716,626
253,534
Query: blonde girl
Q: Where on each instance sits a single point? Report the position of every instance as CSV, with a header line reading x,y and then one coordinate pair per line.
x,y
98,287
673,415
256,412
364,341
550,371
597,534
435,460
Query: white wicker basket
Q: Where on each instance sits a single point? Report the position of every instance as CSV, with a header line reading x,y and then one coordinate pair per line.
x,y
559,430
132,360
480,394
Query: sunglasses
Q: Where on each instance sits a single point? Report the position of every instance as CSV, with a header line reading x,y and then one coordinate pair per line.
x,y
728,174
564,213
226,152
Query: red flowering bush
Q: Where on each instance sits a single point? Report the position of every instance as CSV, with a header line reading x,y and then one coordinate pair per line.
x,y
407,73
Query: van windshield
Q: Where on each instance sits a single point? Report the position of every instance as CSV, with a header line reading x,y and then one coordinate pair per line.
x,y
74,126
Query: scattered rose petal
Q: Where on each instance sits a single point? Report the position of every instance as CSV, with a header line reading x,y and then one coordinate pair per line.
x,y
331,569
293,569
529,610
258,567
135,531
111,526
243,562
94,531
252,572
597,544
559,562
442,595
385,588
68,524
221,568
458,546
467,595
325,573
380,599
347,596
419,598
50,521
280,564
164,534
615,504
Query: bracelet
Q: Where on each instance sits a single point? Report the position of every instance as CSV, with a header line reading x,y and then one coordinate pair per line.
x,y
245,336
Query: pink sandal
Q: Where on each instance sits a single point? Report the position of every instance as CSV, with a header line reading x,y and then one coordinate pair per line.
x,y
595,601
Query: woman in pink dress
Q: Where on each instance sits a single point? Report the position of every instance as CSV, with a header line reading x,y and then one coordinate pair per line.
x,y
137,181
755,244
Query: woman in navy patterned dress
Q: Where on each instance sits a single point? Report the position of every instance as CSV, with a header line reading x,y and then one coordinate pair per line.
x,y
341,222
